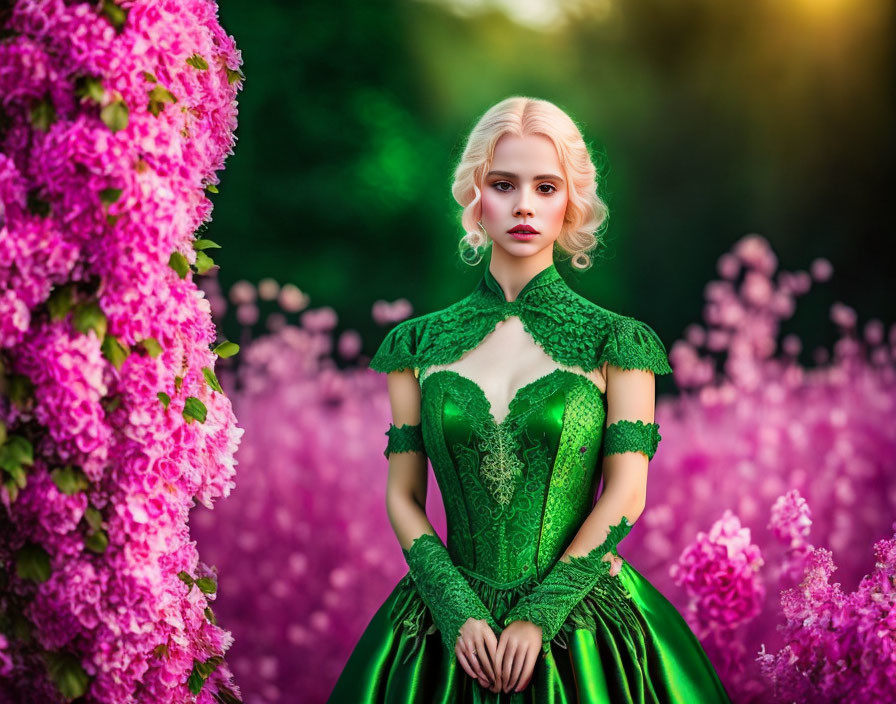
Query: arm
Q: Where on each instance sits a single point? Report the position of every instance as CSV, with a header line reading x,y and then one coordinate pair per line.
x,y
444,590
630,397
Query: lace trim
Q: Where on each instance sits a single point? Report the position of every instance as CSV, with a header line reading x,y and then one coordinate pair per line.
x,y
407,438
551,602
449,597
632,436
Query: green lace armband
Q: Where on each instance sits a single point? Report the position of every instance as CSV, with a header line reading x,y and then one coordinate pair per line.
x,y
565,585
407,438
629,436
446,592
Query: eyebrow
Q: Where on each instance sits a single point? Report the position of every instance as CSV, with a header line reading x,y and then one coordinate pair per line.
x,y
508,174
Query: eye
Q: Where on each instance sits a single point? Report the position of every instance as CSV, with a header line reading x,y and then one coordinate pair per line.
x,y
549,185
497,185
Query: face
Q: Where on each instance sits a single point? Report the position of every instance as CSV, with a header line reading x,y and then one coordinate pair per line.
x,y
524,186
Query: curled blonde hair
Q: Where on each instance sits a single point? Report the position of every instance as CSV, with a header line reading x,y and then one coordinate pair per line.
x,y
586,213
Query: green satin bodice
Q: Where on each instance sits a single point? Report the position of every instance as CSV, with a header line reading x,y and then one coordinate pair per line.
x,y
516,491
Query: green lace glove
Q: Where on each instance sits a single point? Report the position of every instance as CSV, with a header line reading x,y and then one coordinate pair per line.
x,y
446,592
407,438
564,586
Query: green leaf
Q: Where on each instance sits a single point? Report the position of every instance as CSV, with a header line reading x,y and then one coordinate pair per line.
x,y
69,479
185,578
97,541
90,87
18,477
195,680
196,61
194,408
152,346
207,585
211,188
60,301
161,650
150,77
179,263
110,195
178,382
12,488
203,262
3,435
16,452
93,518
37,205
210,615
212,379
158,96
89,316
43,114
205,244
116,14
164,398
201,672
115,115
233,76
114,351
67,674
20,389
226,349
33,562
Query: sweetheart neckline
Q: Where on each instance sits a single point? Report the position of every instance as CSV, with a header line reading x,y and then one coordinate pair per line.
x,y
518,394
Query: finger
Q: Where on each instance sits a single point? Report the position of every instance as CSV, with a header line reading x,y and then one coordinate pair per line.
x,y
473,657
485,660
519,660
616,566
621,564
491,642
507,667
500,654
528,668
464,663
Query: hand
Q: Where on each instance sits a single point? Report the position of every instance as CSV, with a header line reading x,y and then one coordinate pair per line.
x,y
475,650
518,649
615,563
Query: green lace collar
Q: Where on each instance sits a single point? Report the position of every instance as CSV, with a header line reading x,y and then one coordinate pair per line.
x,y
544,277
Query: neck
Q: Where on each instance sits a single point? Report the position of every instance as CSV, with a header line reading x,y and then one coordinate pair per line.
x,y
513,273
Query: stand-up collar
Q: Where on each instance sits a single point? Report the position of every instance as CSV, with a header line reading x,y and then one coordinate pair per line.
x,y
542,278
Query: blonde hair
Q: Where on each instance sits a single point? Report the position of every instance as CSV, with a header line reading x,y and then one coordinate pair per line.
x,y
586,212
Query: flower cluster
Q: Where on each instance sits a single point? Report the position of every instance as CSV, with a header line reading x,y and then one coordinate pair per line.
x,y
838,646
117,116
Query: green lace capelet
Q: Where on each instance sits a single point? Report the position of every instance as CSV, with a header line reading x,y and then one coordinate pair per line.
x,y
570,328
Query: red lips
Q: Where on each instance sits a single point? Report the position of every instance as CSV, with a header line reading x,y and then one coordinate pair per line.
x,y
524,228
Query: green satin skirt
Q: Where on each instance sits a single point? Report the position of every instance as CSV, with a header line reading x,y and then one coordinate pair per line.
x,y
657,660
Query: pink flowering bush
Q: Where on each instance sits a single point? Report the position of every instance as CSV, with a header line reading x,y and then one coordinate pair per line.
x,y
752,438
116,117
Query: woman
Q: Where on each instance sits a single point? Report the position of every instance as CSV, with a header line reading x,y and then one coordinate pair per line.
x,y
517,394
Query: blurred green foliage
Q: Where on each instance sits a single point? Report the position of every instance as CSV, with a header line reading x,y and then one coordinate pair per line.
x,y
715,120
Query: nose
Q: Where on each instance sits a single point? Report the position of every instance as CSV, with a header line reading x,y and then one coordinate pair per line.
x,y
524,206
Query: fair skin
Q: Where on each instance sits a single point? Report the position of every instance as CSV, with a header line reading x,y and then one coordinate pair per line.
x,y
524,185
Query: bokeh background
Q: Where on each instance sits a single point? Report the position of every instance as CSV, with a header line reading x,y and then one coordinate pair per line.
x,y
711,122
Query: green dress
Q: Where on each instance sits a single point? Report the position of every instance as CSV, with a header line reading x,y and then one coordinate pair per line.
x,y
516,492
